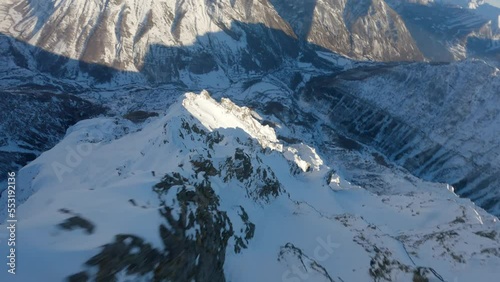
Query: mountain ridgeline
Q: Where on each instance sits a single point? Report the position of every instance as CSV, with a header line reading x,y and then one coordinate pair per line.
x,y
252,140
120,34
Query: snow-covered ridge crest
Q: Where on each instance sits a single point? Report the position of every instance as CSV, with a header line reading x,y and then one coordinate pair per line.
x,y
138,182
227,114
87,143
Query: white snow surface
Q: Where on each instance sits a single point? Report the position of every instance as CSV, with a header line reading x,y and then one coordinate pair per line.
x,y
102,163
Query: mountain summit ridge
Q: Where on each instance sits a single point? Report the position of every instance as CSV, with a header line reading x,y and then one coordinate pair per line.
x,y
186,185
333,146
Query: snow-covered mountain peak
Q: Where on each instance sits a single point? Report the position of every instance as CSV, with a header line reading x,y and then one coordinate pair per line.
x,y
192,195
323,163
226,114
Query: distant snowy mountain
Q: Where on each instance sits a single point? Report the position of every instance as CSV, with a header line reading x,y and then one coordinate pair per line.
x,y
120,33
438,121
446,32
206,192
171,41
335,144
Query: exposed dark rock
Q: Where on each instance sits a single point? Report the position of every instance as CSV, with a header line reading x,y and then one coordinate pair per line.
x,y
76,222
79,277
491,235
139,116
127,252
204,165
168,181
239,166
188,255
198,258
242,242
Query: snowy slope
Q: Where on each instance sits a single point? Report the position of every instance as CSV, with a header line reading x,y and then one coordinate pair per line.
x,y
314,181
206,192
438,121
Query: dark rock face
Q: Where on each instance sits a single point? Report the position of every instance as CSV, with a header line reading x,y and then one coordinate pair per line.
x,y
127,252
78,222
200,257
139,116
240,166
260,181
195,235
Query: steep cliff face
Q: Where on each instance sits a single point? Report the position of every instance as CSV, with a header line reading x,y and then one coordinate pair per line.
x,y
119,33
359,29
122,34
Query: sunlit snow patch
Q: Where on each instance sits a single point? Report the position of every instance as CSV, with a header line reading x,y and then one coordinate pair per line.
x,y
227,114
